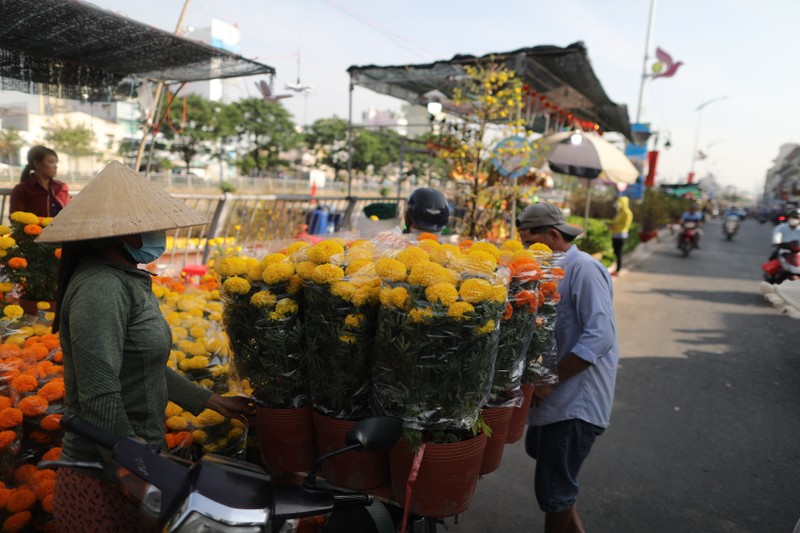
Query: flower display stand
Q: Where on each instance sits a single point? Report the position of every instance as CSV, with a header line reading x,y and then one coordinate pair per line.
x,y
286,438
447,478
519,416
496,418
357,470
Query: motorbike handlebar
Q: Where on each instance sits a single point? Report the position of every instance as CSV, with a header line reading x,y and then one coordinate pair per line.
x,y
76,424
356,498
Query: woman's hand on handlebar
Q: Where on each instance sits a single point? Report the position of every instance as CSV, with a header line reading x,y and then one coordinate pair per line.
x,y
239,407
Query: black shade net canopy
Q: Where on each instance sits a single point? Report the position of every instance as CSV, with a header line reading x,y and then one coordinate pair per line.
x,y
76,50
564,76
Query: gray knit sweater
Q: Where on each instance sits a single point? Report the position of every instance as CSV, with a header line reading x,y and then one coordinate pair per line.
x,y
116,344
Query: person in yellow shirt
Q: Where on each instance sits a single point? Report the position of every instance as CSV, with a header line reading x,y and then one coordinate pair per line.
x,y
619,227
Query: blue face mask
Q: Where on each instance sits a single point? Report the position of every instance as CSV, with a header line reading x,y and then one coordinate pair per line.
x,y
153,245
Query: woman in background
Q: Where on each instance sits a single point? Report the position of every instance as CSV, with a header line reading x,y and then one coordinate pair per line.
x,y
38,190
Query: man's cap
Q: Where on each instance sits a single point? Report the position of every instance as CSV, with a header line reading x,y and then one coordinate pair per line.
x,y
543,215
118,201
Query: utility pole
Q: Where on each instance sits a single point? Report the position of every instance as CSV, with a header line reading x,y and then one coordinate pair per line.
x,y
157,97
647,46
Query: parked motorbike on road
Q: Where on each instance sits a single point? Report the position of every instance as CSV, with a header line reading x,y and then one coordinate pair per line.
x,y
730,227
224,495
786,266
687,240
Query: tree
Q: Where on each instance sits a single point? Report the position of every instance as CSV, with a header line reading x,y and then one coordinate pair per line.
x,y
265,129
71,140
491,95
10,144
186,127
327,138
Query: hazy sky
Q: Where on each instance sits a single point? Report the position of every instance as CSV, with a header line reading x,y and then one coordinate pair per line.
x,y
741,49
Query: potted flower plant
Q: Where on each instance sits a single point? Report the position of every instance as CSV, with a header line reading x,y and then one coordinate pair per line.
x,y
31,267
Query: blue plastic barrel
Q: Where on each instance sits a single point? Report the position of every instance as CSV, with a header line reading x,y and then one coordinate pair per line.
x,y
318,221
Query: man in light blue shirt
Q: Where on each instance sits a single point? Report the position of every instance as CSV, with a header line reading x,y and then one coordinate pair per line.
x,y
566,418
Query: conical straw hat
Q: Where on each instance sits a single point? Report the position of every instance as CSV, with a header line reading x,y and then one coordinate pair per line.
x,y
118,201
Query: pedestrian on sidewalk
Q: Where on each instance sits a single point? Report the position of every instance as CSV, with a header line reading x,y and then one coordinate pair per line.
x,y
619,227
567,417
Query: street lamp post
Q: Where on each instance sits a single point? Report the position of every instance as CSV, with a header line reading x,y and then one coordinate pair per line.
x,y
697,131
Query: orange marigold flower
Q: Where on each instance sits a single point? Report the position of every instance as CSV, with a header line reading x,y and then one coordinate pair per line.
x,y
9,350
527,299
52,390
36,351
41,475
10,417
508,312
33,405
17,263
50,341
57,253
53,454
17,521
5,494
170,441
183,439
51,422
58,357
33,339
24,383
10,374
44,488
32,229
7,437
47,504
22,499
465,244
5,401
427,236
525,269
557,273
24,474
547,288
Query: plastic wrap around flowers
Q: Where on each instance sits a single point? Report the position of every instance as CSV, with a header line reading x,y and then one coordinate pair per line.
x,y
438,330
263,318
541,364
518,322
341,293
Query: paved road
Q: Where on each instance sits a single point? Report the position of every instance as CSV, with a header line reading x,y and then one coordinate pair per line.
x,y
705,433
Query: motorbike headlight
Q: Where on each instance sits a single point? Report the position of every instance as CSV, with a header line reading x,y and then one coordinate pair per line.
x,y
198,523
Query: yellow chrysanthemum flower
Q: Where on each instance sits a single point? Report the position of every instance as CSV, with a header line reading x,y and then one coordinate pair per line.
x,y
364,295
277,273
263,299
295,284
13,311
478,262
363,250
286,306
540,247
271,259
444,254
487,247
390,269
420,315
6,287
427,273
506,256
396,297
347,338
357,265
4,230
254,272
46,221
343,289
209,418
49,316
443,293
459,309
231,266
499,293
199,436
173,409
322,251
353,320
7,242
276,316
305,269
177,355
475,290
296,246
486,328
42,306
236,286
512,245
428,244
177,423
412,255
327,273
24,217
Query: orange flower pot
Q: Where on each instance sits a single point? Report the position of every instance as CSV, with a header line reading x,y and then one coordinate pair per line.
x,y
496,418
519,416
286,438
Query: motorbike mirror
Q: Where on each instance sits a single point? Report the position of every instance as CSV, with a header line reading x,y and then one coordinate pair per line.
x,y
375,434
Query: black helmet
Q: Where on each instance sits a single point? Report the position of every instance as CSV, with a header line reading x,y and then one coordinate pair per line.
x,y
427,210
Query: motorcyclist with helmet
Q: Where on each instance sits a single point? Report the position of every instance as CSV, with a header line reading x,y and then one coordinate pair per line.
x,y
692,215
426,211
786,232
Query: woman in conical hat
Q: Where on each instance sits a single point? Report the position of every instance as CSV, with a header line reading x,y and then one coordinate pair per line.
x,y
115,341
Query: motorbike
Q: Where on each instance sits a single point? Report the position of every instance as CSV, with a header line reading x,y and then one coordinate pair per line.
x,y
221,494
687,240
730,227
786,266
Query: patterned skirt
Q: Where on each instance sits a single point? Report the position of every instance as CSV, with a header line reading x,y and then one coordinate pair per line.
x,y
82,503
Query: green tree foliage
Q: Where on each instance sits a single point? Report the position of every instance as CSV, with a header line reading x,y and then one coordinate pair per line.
x,y
327,138
266,129
10,144
72,140
187,127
